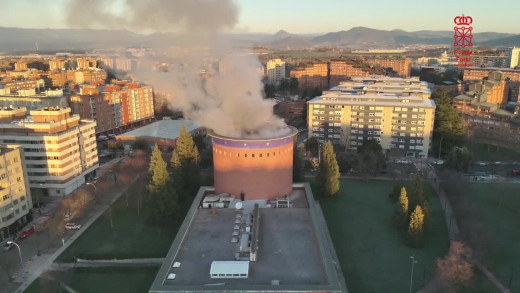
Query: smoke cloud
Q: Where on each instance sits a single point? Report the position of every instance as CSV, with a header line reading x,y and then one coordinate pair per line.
x,y
226,98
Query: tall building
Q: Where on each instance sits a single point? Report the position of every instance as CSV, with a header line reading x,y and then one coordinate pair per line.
x,y
311,76
60,150
501,61
275,71
15,196
403,67
396,112
513,55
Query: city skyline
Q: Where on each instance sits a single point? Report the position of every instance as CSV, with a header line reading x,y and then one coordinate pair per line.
x,y
271,16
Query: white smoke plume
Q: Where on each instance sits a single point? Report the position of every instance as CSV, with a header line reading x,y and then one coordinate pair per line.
x,y
229,99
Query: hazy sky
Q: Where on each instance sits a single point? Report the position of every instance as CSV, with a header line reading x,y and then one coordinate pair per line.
x,y
313,16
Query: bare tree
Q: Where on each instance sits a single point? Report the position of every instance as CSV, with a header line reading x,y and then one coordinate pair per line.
x,y
456,268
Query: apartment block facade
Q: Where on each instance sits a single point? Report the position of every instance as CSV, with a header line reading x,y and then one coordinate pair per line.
x,y
275,71
396,112
403,67
342,70
311,76
114,106
60,149
15,195
512,77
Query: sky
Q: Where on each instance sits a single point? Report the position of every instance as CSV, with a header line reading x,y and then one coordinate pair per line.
x,y
313,16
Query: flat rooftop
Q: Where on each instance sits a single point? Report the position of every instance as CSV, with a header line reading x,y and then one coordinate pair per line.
x,y
165,129
294,249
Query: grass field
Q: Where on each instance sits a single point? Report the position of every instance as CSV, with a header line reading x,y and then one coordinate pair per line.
x,y
486,152
372,253
131,236
99,280
499,206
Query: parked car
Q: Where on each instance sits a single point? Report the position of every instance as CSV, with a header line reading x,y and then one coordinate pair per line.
x,y
25,233
72,226
516,172
7,246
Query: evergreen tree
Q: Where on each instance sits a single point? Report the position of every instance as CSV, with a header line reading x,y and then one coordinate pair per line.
x,y
328,175
185,162
401,211
160,176
185,149
297,166
396,191
416,227
419,198
449,125
156,155
162,202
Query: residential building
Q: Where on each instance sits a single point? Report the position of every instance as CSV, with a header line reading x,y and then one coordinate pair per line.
x,y
290,109
397,112
501,61
512,77
487,122
56,64
60,149
492,90
513,55
275,71
343,70
402,67
15,195
311,76
122,105
32,100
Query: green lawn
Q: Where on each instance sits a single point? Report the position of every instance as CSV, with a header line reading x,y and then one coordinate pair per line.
x,y
499,206
131,236
97,280
372,253
486,152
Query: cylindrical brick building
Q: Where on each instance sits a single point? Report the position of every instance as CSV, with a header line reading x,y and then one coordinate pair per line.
x,y
258,168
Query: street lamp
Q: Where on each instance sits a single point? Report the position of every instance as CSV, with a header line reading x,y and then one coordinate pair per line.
x,y
90,183
411,275
440,147
19,251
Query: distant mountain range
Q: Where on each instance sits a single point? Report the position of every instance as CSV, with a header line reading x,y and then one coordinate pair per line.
x,y
17,39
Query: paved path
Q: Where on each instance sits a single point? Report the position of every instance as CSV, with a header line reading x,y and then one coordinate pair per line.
x,y
435,285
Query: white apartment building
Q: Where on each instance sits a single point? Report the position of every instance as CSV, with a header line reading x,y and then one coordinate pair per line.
x,y
275,70
397,112
15,196
60,149
513,55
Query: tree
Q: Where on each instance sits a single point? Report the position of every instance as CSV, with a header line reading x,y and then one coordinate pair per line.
x,y
328,175
297,166
140,145
346,161
162,201
293,85
449,125
416,227
419,198
456,268
459,159
396,191
269,90
185,149
156,156
312,147
371,157
401,210
160,177
185,163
